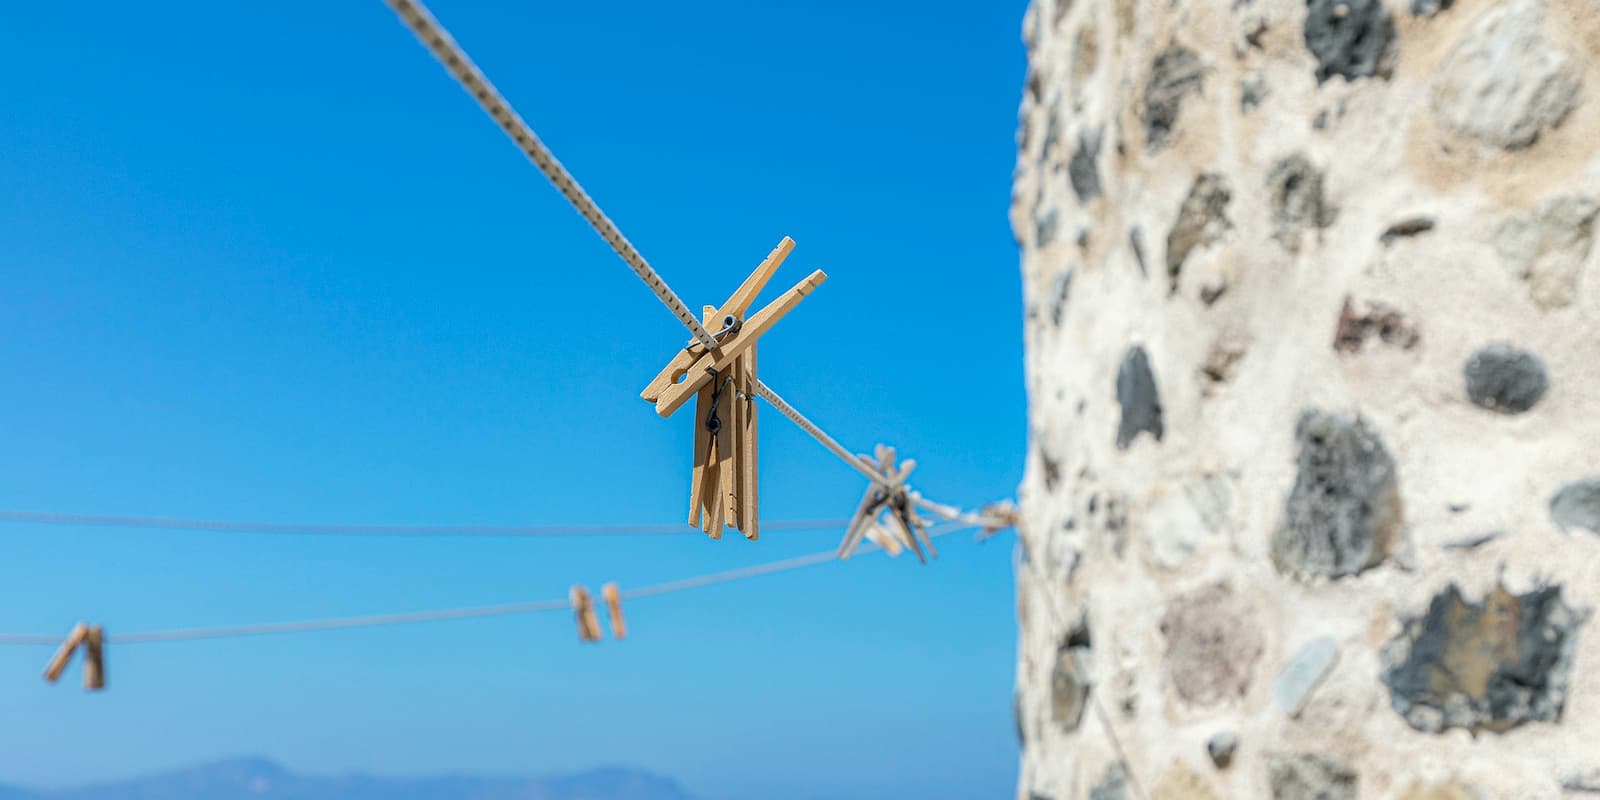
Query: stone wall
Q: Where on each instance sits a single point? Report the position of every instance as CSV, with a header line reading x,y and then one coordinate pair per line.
x,y
1312,507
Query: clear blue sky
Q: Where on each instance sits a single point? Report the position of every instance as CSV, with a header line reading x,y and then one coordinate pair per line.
x,y
267,261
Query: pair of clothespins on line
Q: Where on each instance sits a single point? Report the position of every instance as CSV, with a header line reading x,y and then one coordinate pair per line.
x,y
723,486
887,515
589,621
91,639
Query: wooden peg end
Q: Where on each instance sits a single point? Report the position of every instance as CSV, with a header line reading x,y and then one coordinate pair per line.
x,y
94,663
613,597
583,609
58,662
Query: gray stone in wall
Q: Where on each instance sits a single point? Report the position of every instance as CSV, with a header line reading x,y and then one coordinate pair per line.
x,y
1070,680
1294,189
1060,292
1303,673
1202,219
1081,171
1214,642
1221,748
1044,232
1483,666
1113,785
1505,379
1577,505
1343,514
1174,74
1506,81
1141,403
1310,777
1428,8
1350,38
1548,247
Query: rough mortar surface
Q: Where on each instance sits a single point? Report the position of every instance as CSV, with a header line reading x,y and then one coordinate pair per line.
x,y
1313,359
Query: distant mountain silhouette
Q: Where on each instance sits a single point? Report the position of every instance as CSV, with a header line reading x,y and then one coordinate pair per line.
x,y
260,779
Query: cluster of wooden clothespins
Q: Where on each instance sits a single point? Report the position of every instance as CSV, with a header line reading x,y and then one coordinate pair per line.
x,y
589,621
723,487
91,640
887,516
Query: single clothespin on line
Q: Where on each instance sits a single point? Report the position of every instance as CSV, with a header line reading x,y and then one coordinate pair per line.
x,y
583,610
613,597
91,638
723,485
888,506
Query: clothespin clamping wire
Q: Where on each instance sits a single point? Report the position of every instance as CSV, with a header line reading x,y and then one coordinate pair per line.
x,y
886,511
613,597
723,485
583,609
91,638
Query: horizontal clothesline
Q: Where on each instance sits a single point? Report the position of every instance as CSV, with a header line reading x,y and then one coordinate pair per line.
x,y
341,529
470,612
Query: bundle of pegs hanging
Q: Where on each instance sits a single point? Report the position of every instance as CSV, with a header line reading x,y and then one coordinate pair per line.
x,y
886,512
91,639
723,484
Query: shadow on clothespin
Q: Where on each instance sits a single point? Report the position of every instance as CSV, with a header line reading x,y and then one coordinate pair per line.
x,y
92,639
887,506
613,597
723,483
583,609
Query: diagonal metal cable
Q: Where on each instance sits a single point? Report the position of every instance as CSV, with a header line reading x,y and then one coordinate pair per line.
x,y
422,23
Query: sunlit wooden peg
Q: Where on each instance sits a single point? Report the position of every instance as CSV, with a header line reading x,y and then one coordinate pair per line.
x,y
887,504
63,655
724,483
613,598
94,655
884,539
583,609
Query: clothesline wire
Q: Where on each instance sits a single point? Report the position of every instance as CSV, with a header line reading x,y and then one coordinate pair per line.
x,y
455,60
340,529
471,612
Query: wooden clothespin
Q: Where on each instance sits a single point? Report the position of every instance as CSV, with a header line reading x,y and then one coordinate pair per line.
x,y
880,536
92,639
723,485
1001,515
613,596
583,609
888,504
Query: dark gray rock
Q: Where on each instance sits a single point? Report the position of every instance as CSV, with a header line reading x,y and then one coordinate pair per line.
x,y
1343,515
1136,241
1081,170
1221,748
1175,73
1427,8
1201,220
1483,666
1136,393
1577,505
1380,320
1310,777
1505,379
1113,785
1070,680
1060,292
1045,228
1252,90
1412,226
1350,38
1294,189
